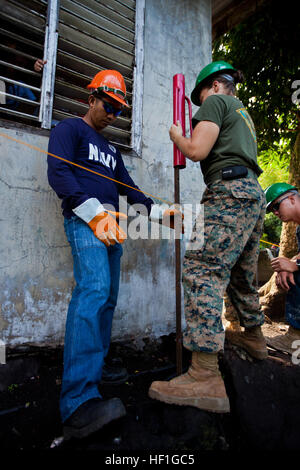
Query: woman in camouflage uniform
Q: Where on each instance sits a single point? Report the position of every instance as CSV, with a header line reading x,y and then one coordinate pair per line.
x,y
224,142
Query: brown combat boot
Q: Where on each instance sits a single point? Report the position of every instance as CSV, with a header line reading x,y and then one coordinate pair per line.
x,y
251,339
284,341
200,387
234,326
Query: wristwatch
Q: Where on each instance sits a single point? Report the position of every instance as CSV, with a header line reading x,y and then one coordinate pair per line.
x,y
298,263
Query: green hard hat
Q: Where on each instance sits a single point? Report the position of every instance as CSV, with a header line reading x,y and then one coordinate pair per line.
x,y
210,69
276,190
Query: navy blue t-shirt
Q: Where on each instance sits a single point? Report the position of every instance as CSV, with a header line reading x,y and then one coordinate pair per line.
x,y
74,140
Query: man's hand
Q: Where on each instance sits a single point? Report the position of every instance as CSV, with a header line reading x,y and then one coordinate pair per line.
x,y
169,216
39,65
284,264
173,218
283,279
106,228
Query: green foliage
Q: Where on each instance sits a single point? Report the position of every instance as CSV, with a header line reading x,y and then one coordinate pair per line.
x,y
12,387
275,166
266,48
272,230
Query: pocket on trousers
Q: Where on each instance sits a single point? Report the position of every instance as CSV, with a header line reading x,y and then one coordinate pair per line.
x,y
245,189
218,244
197,242
218,240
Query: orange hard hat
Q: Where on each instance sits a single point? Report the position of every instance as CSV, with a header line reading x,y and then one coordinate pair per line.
x,y
111,83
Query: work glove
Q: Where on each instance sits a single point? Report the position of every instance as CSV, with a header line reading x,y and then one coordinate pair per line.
x,y
104,223
170,217
106,227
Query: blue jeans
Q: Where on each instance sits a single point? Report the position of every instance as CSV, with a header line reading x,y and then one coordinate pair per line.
x,y
90,314
292,304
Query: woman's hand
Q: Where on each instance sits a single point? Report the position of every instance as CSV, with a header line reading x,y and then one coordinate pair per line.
x,y
175,131
198,146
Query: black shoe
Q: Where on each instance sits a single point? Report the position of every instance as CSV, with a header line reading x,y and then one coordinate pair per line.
x,y
113,375
92,416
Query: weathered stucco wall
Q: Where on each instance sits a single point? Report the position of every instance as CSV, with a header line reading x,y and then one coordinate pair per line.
x,y
35,260
35,269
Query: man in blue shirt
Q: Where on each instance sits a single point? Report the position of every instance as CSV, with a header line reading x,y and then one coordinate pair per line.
x,y
90,206
20,91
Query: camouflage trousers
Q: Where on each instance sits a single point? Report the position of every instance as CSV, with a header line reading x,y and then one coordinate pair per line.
x,y
227,262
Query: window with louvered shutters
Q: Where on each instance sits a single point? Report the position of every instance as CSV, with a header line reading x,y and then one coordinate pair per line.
x,y
94,35
22,30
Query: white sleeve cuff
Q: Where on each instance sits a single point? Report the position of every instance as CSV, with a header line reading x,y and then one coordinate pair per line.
x,y
156,213
89,209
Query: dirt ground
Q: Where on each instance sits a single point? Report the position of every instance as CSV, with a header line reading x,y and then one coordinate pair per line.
x,y
29,404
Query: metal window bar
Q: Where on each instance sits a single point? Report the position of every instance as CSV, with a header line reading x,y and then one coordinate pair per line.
x,y
8,109
93,58
126,19
16,11
15,82
24,40
90,42
37,7
77,63
19,114
19,98
93,36
126,5
20,69
122,32
17,52
21,23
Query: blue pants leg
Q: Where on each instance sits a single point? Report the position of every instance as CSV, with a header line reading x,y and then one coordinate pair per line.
x,y
90,313
107,311
292,305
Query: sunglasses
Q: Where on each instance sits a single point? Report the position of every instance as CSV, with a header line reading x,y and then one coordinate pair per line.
x,y
275,207
110,109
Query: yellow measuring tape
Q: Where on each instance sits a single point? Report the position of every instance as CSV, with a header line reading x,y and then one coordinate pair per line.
x,y
33,147
274,244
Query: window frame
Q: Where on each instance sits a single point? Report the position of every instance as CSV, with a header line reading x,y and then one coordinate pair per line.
x,y
50,52
48,79
36,16
138,79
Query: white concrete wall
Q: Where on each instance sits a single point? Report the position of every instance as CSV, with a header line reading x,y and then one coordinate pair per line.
x,y
35,260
